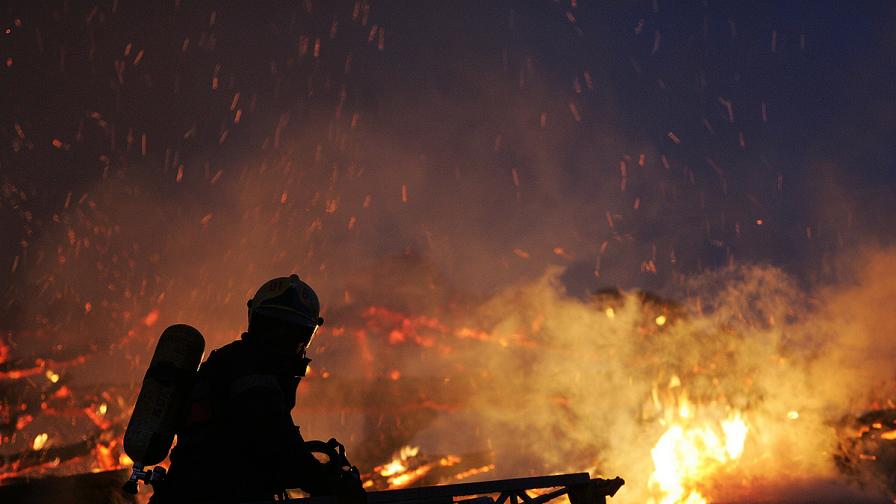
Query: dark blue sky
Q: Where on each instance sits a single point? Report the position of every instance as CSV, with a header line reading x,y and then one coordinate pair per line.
x,y
809,85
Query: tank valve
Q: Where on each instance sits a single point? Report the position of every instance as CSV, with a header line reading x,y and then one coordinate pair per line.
x,y
150,477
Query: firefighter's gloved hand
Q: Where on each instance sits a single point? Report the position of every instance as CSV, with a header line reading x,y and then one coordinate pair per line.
x,y
350,489
340,478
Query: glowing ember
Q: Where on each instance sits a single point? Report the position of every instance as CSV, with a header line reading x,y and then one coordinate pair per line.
x,y
473,472
151,318
40,441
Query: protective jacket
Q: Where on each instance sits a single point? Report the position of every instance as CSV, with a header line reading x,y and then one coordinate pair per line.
x,y
238,442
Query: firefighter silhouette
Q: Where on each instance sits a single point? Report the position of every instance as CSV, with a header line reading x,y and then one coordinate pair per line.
x,y
237,441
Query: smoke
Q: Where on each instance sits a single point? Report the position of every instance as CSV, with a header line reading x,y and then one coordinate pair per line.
x,y
569,387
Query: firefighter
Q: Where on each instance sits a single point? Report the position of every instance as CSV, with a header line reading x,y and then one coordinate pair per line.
x,y
238,442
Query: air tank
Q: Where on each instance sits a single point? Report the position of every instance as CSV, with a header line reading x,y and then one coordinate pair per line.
x,y
163,398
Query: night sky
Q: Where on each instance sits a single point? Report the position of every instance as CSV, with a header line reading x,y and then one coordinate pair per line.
x,y
206,146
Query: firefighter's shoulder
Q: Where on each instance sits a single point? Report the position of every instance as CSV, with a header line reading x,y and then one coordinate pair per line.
x,y
226,358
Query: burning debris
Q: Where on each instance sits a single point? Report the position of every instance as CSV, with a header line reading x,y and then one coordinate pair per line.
x,y
867,448
409,467
40,406
699,410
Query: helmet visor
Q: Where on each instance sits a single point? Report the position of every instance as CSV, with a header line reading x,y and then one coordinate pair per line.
x,y
285,315
307,335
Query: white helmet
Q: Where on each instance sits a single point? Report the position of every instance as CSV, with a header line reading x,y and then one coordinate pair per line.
x,y
288,299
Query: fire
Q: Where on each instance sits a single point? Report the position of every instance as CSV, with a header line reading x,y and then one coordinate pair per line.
x,y
397,471
735,430
695,445
399,464
392,468
690,451
411,467
105,458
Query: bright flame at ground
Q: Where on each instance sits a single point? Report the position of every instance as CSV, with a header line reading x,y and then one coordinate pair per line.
x,y
398,472
392,468
687,453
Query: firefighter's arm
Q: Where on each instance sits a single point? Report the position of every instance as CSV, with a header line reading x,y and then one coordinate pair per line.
x,y
272,440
